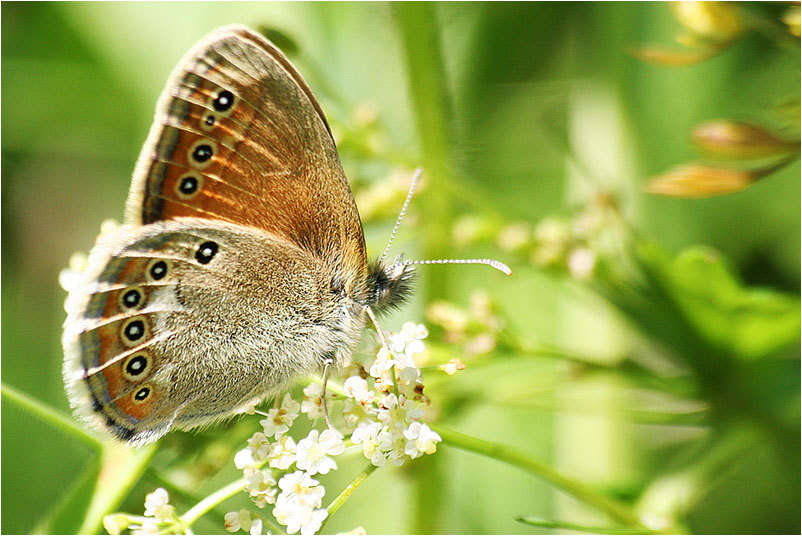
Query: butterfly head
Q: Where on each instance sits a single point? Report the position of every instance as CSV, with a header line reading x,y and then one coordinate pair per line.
x,y
389,285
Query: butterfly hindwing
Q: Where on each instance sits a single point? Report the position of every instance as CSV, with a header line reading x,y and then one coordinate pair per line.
x,y
239,137
184,322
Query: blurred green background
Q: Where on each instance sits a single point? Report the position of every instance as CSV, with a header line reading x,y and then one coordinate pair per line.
x,y
517,112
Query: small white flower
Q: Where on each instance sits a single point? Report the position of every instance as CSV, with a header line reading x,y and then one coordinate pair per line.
x,y
391,445
298,517
312,404
155,500
282,453
409,374
421,332
357,388
367,435
384,362
71,277
514,236
313,451
280,419
481,344
260,446
147,527
355,413
157,505
302,489
384,382
581,262
414,347
314,522
452,366
397,343
261,486
397,411
109,227
420,440
238,520
116,523
256,527
244,458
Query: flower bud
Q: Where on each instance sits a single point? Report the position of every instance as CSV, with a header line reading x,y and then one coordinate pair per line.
x,y
791,19
714,21
116,523
658,55
732,139
697,180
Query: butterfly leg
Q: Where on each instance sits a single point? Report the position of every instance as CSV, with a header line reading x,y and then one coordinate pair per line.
x,y
377,326
327,364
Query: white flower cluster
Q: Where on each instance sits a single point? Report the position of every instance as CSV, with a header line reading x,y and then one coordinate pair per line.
x,y
382,411
160,517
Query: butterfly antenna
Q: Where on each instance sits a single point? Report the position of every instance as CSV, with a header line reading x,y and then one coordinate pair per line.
x,y
401,214
498,265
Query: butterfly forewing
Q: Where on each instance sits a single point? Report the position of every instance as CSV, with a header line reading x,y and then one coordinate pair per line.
x,y
239,137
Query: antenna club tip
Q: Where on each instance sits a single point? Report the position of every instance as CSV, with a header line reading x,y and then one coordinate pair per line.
x,y
501,267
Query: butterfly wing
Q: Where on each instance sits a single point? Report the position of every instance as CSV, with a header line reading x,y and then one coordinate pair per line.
x,y
181,323
239,137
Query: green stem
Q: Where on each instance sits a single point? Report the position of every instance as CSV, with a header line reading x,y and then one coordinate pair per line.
x,y
563,525
615,509
209,502
419,31
340,499
48,414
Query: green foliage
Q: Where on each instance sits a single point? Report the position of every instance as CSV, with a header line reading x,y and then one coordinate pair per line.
x,y
748,322
665,387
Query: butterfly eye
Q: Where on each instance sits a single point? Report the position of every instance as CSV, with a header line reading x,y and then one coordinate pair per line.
x,y
142,394
206,252
158,269
134,330
132,298
136,366
223,101
188,185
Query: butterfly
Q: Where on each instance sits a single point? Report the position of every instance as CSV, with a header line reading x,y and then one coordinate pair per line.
x,y
242,261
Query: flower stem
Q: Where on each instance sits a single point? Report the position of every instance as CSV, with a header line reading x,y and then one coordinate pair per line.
x,y
209,502
615,509
49,415
340,499
564,525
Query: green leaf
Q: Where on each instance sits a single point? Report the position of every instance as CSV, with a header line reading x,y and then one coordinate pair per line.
x,y
752,322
